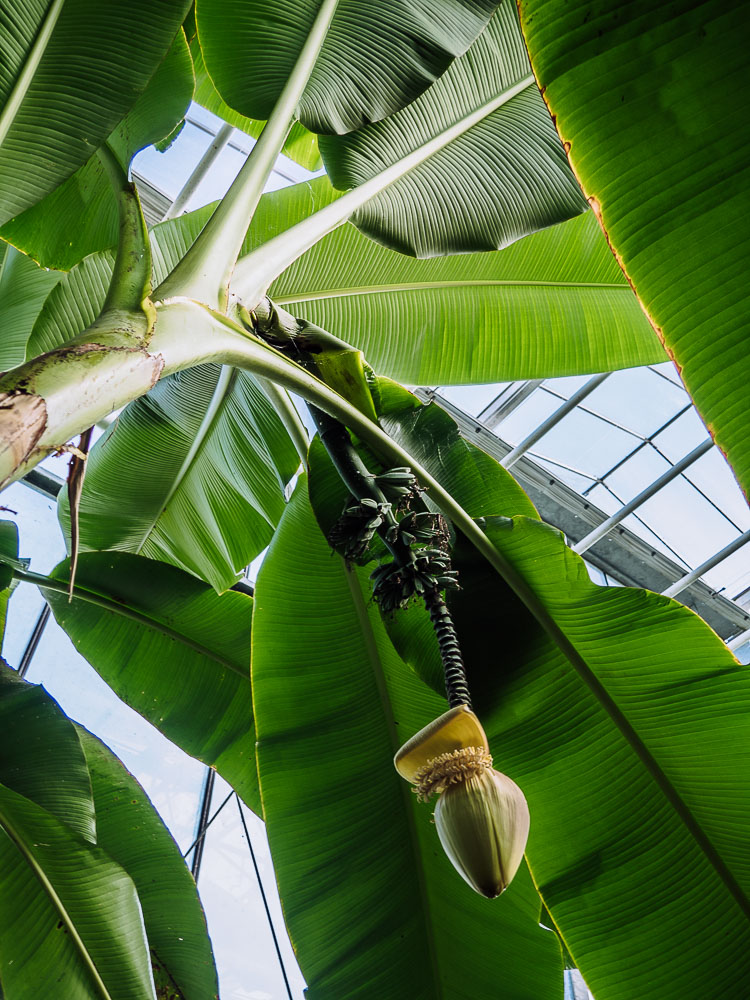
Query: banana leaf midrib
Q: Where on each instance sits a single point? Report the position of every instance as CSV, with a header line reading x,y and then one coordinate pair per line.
x,y
224,385
418,286
115,607
376,664
17,839
31,63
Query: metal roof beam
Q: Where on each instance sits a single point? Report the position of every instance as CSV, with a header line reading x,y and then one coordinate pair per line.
x,y
709,564
739,640
677,469
621,554
507,401
205,163
552,420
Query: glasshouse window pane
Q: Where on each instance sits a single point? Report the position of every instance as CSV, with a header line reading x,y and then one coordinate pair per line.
x,y
249,967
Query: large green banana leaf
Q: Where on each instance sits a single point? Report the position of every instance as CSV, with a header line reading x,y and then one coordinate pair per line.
x,y
71,69
373,907
494,168
173,650
81,216
651,101
632,760
375,59
192,474
131,832
624,721
300,145
554,303
70,915
76,779
73,304
24,287
41,755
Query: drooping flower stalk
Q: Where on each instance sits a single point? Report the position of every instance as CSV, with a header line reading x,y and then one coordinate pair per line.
x,y
413,571
206,269
481,815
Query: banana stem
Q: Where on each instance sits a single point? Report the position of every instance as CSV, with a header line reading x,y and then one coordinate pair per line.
x,y
356,477
456,684
205,271
130,285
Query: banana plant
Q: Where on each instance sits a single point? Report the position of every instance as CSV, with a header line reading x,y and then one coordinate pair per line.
x,y
450,242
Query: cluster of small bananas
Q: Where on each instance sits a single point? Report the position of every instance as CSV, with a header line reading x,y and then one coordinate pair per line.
x,y
415,527
419,570
399,485
395,585
356,527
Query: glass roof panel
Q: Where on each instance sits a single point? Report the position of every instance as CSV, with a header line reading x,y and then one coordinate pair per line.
x,y
636,472
637,399
667,370
36,516
686,521
169,170
611,503
576,480
603,498
712,475
473,399
585,443
42,542
732,575
567,385
527,416
686,433
244,948
27,605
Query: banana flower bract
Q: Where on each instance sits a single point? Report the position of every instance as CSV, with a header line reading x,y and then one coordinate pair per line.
x,y
481,815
